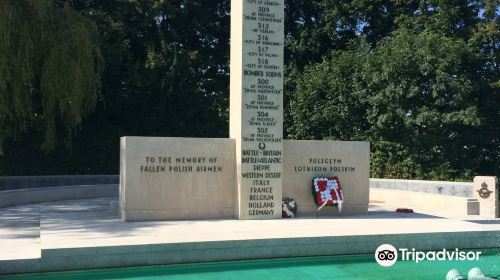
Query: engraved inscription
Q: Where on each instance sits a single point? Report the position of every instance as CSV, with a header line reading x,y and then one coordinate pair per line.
x,y
262,101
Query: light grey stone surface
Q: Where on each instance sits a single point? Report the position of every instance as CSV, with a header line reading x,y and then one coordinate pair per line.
x,y
176,178
462,189
115,209
245,250
306,159
47,194
472,207
256,106
82,234
489,205
425,202
31,182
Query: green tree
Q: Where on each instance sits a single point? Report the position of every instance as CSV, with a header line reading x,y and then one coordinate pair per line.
x,y
327,102
50,67
411,97
419,80
166,74
423,106
485,43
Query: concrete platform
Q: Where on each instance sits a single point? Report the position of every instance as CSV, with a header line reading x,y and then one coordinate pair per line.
x,y
83,234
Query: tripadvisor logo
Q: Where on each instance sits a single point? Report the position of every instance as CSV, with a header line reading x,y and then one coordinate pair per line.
x,y
387,255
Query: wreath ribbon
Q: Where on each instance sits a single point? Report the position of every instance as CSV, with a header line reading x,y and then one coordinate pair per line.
x,y
327,191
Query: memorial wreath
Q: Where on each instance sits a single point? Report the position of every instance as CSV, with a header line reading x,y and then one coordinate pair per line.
x,y
289,208
326,191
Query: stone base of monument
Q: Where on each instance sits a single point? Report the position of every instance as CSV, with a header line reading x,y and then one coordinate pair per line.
x,y
487,191
306,159
81,234
176,178
195,178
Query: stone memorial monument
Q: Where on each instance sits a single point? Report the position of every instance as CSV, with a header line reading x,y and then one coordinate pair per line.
x,y
256,105
246,176
176,178
487,192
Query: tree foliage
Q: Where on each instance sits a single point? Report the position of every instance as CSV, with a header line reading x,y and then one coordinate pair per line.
x,y
50,66
418,79
421,95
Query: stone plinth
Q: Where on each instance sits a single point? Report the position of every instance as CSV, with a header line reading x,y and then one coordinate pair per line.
x,y
176,178
486,191
306,159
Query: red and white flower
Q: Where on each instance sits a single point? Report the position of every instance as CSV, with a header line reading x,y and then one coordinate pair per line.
x,y
328,192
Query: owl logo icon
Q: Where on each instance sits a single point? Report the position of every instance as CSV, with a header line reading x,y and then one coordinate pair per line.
x,y
386,255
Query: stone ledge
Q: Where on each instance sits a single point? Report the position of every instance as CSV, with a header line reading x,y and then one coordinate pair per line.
x,y
32,182
49,194
161,254
426,202
460,189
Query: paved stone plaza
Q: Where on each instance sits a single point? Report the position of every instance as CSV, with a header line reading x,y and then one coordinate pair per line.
x,y
83,234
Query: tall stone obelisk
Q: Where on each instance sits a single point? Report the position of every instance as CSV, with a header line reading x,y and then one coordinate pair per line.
x,y
256,105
